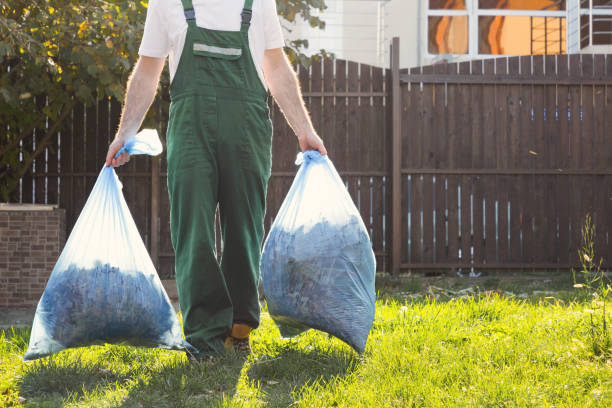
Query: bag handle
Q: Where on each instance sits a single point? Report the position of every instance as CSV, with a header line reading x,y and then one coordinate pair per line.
x,y
144,142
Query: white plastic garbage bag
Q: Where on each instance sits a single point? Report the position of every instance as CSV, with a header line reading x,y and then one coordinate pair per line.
x,y
318,267
104,287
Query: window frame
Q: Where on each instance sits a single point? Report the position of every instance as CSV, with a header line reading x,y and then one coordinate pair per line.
x,y
473,13
592,11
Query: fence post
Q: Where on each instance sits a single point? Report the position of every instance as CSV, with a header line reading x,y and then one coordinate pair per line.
x,y
155,163
396,160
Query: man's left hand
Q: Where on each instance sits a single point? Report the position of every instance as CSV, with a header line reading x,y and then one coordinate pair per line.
x,y
312,141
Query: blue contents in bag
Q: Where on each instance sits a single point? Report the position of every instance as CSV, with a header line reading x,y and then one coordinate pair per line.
x,y
104,287
317,266
105,304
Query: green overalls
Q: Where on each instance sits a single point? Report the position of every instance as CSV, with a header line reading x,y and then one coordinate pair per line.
x,y
219,141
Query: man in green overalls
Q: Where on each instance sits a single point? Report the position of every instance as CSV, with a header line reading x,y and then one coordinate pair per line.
x,y
219,154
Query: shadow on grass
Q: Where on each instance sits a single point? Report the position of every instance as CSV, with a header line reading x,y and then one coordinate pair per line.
x,y
282,375
136,378
182,384
529,287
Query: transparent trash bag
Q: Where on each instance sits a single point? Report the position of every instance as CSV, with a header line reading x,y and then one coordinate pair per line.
x,y
318,266
104,287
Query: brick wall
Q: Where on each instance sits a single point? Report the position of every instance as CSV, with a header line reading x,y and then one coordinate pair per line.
x,y
31,239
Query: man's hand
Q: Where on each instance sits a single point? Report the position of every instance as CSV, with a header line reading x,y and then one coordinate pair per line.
x,y
312,141
141,89
285,89
114,147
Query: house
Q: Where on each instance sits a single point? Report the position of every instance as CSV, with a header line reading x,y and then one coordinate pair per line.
x,y
458,30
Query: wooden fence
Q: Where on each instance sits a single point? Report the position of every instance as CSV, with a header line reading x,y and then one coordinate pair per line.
x,y
347,102
495,163
501,161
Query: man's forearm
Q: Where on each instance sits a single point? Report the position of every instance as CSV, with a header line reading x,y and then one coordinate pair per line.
x,y
141,90
285,89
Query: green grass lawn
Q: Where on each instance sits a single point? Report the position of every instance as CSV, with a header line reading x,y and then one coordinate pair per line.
x,y
482,351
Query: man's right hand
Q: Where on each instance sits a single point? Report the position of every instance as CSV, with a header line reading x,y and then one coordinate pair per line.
x,y
114,147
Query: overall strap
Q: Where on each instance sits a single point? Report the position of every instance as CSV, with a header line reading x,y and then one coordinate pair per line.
x,y
247,13
189,11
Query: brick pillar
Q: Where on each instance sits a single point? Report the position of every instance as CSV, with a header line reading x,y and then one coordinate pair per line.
x,y
31,239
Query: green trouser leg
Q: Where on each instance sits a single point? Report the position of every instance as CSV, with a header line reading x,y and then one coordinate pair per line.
x,y
223,164
244,168
192,188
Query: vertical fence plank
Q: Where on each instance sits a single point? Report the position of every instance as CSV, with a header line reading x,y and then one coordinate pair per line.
x,y
104,132
78,144
440,146
575,160
412,126
474,194
428,163
90,154
488,193
599,142
575,95
563,161
327,125
66,182
53,172
40,162
526,149
364,140
353,116
365,108
353,129
455,134
466,155
587,139
503,153
375,193
316,77
509,206
549,208
606,151
27,180
418,133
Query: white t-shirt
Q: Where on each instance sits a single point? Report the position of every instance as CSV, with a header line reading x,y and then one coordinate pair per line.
x,y
166,27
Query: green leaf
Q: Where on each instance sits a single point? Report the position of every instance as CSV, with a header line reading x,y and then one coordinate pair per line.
x,y
92,70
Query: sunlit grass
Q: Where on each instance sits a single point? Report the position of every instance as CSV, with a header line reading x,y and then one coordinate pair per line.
x,y
488,351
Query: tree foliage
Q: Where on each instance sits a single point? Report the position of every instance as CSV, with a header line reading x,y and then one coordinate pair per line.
x,y
56,53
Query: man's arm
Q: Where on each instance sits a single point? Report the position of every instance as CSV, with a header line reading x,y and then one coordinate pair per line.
x,y
141,89
285,89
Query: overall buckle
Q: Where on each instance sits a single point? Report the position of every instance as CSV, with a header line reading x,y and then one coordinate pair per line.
x,y
189,14
246,16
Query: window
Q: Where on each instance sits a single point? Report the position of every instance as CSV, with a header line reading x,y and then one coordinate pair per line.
x,y
448,27
595,23
448,35
522,4
447,4
497,27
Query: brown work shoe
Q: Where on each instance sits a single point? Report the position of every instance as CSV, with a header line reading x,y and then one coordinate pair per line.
x,y
238,341
240,346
